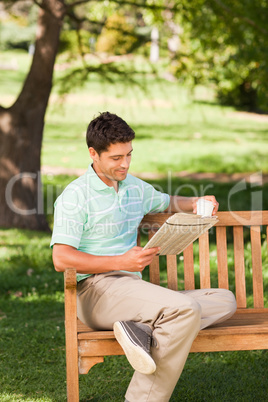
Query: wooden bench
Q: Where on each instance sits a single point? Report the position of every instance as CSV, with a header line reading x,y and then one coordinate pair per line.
x,y
246,330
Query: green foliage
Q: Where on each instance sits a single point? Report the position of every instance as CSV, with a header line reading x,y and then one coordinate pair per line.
x,y
117,36
223,44
226,44
75,42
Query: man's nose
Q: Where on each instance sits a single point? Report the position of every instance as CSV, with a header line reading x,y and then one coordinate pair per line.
x,y
125,163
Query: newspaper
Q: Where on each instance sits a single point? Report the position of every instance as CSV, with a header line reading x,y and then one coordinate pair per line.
x,y
179,231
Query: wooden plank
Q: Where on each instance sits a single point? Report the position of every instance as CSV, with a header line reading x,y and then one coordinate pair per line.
x,y
71,335
226,218
99,347
188,256
154,272
139,238
256,256
242,218
240,281
206,341
210,343
172,274
204,263
223,281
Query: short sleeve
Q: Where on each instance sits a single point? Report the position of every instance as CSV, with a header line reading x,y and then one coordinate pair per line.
x,y
154,200
69,217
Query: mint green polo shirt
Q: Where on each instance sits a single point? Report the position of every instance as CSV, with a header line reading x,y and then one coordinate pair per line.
x,y
95,219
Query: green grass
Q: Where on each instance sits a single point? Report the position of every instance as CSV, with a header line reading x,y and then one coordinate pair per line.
x,y
178,132
179,129
32,351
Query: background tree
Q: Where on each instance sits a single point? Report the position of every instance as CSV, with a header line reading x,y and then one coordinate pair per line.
x,y
21,125
21,128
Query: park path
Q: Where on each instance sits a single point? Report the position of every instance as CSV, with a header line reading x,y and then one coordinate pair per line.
x,y
257,177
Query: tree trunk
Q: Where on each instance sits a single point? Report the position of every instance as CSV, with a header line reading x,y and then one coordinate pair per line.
x,y
21,130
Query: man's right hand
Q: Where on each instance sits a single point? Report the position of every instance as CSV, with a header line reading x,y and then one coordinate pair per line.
x,y
136,259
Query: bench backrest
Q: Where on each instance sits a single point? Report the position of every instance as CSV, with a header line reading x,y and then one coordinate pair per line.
x,y
230,234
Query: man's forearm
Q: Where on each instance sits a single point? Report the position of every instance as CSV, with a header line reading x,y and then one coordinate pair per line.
x,y
188,204
134,260
181,204
66,256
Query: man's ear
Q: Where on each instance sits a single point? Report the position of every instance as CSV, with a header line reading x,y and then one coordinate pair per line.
x,y
93,153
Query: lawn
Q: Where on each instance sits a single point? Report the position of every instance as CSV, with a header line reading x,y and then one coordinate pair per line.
x,y
181,130
32,351
176,131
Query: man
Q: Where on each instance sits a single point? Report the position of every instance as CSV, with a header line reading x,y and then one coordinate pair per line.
x,y
95,230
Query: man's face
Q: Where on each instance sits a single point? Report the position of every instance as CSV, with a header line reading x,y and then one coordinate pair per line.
x,y
112,165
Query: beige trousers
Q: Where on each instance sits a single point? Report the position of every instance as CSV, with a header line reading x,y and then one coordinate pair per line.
x,y
175,318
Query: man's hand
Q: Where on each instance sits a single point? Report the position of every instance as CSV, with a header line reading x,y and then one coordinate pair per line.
x,y
210,198
136,259
188,204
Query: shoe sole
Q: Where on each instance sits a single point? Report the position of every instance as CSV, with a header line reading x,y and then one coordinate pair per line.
x,y
140,360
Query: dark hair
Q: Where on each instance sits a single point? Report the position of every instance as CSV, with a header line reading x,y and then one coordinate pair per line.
x,y
107,129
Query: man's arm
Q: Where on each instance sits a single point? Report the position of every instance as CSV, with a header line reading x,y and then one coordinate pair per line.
x,y
188,204
136,259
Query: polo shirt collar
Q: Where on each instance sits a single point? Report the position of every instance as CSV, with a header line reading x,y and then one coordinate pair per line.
x,y
96,183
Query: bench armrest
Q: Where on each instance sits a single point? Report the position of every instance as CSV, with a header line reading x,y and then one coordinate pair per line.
x,y
70,279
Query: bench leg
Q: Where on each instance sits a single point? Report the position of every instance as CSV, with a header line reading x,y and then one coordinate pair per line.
x,y
72,363
72,382
71,336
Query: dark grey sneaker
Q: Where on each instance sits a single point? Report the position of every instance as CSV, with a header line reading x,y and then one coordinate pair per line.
x,y
136,340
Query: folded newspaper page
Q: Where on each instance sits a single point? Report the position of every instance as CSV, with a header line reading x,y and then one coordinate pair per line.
x,y
179,231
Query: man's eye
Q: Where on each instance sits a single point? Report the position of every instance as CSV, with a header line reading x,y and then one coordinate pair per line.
x,y
116,159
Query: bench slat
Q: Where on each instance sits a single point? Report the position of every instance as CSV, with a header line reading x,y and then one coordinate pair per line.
x,y
172,274
223,281
154,270
256,266
188,256
204,263
240,283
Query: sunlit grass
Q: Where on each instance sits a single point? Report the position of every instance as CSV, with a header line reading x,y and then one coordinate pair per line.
x,y
179,129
